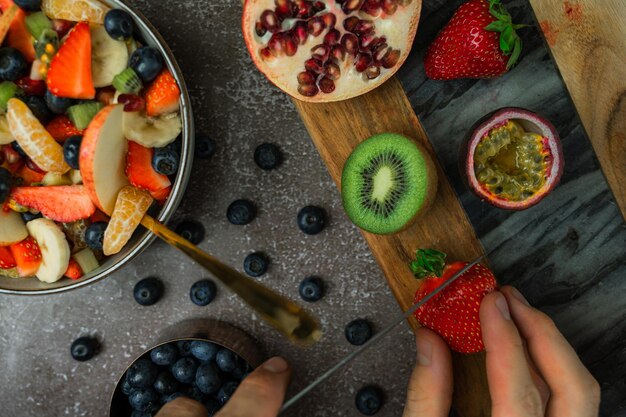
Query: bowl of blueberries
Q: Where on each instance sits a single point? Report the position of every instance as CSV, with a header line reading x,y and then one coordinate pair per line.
x,y
202,359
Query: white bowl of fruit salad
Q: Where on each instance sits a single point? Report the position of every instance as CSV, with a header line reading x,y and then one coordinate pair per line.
x,y
96,130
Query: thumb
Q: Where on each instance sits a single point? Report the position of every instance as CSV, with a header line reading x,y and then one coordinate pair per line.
x,y
262,393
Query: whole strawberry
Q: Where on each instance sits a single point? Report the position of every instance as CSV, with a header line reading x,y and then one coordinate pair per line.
x,y
453,313
479,42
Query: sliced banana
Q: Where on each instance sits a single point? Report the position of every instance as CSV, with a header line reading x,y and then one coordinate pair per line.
x,y
55,251
152,132
5,134
108,57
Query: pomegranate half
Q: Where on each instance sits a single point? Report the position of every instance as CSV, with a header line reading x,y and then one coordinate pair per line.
x,y
513,158
329,50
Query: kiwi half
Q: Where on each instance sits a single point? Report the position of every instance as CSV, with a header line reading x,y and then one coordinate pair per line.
x,y
387,181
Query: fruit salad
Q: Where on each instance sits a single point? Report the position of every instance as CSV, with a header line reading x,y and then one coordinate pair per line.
x,y
89,121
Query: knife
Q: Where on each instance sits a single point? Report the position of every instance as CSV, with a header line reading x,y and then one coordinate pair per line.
x,y
349,358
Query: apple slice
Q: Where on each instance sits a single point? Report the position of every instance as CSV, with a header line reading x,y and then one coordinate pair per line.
x,y
12,228
103,158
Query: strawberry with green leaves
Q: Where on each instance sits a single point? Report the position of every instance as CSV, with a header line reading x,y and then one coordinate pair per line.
x,y
454,312
480,41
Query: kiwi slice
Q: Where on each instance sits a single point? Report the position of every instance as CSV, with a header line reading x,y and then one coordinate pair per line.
x,y
387,182
127,82
81,114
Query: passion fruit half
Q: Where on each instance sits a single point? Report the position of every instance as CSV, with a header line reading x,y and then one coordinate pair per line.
x,y
513,158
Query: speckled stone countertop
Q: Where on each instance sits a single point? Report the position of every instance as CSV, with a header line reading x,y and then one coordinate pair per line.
x,y
567,254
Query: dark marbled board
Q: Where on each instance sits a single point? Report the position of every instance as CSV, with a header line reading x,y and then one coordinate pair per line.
x,y
567,254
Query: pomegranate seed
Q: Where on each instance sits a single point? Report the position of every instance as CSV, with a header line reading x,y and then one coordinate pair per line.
x,y
306,78
316,26
363,27
32,87
329,20
362,62
350,23
308,90
377,42
270,22
10,155
275,44
372,7
266,53
131,102
391,59
259,29
351,5
338,52
367,40
327,85
284,9
32,165
290,46
381,52
390,6
300,31
318,6
332,37
313,65
62,27
372,72
350,43
305,10
332,71
320,52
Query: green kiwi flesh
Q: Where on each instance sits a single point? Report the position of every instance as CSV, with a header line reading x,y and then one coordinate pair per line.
x,y
387,181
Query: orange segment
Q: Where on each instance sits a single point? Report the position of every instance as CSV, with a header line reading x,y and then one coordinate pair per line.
x,y
34,139
91,11
130,207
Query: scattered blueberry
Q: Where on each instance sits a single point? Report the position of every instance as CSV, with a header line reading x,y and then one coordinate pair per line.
x,y
56,104
28,216
369,400
241,212
148,291
144,400
126,387
118,24
5,184
205,146
193,392
84,348
184,347
94,235
203,292
165,383
71,151
184,370
212,406
311,289
17,148
227,391
28,5
311,220
226,360
40,109
191,230
142,374
164,355
267,156
241,371
256,264
208,378
358,332
204,351
165,161
12,64
147,63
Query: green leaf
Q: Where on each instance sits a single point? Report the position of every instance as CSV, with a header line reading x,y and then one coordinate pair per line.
x,y
507,40
427,263
517,51
496,26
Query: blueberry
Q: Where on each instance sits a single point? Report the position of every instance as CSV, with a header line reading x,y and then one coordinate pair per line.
x,y
142,374
205,146
256,264
227,360
203,292
311,289
28,216
212,406
184,370
5,184
71,151
241,371
56,104
191,230
165,383
40,109
241,212
12,64
184,347
267,156
164,355
28,5
148,291
84,348
194,392
369,400
94,235
127,389
167,398
311,220
147,63
205,351
17,148
165,161
118,24
208,378
358,331
144,400
227,391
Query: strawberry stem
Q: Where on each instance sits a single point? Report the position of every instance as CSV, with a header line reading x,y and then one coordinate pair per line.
x,y
428,263
510,42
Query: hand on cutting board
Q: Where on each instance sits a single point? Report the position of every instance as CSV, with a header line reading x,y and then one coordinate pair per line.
x,y
531,368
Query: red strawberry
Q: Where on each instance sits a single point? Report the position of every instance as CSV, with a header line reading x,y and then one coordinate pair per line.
x,y
139,169
453,313
19,37
70,71
32,87
27,256
29,176
479,42
65,203
61,128
74,271
163,95
6,258
161,195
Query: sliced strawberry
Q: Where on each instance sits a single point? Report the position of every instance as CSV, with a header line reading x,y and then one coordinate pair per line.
x,y
66,203
7,261
61,128
70,71
19,37
161,195
27,256
74,271
163,95
32,87
29,176
139,169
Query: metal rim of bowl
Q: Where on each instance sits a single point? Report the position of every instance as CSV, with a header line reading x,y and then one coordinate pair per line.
x,y
138,245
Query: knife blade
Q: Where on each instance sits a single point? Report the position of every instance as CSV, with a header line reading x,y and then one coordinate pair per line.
x,y
349,358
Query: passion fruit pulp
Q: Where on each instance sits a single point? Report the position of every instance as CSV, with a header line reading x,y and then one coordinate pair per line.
x,y
513,158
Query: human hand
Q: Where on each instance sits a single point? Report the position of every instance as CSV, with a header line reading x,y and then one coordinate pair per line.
x,y
531,368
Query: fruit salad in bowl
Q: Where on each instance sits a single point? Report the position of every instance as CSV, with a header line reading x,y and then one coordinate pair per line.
x,y
95,132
